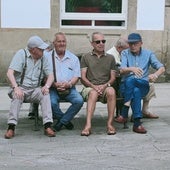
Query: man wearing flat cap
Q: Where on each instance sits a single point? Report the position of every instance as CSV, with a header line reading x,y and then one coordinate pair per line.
x,y
134,68
25,73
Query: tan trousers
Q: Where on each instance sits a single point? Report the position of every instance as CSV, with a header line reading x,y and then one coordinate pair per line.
x,y
151,92
147,98
31,95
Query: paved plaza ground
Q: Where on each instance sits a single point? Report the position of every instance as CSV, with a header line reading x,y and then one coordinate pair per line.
x,y
32,150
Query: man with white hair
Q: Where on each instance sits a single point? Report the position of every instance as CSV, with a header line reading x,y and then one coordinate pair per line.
x,y
25,73
116,50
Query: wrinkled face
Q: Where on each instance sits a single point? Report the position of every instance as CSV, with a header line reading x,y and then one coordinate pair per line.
x,y
98,43
60,43
36,53
135,47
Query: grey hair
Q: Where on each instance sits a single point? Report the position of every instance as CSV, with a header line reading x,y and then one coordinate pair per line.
x,y
121,43
91,37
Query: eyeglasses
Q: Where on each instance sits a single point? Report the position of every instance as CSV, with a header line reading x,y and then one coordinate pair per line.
x,y
99,41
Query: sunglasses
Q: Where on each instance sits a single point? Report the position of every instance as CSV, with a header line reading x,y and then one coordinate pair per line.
x,y
99,41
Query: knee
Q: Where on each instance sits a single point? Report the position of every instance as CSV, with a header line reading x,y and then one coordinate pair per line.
x,y
93,94
111,92
137,92
79,101
129,81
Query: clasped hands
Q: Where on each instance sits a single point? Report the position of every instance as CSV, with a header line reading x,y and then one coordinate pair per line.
x,y
61,86
138,72
100,89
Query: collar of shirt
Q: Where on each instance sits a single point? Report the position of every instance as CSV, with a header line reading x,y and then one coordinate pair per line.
x,y
134,54
66,55
94,53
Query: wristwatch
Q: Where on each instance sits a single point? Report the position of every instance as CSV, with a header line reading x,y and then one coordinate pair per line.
x,y
15,86
108,85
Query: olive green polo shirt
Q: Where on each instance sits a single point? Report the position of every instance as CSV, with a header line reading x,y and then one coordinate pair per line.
x,y
98,69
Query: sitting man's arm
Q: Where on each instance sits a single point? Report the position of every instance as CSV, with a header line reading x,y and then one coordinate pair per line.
x,y
153,77
18,93
45,88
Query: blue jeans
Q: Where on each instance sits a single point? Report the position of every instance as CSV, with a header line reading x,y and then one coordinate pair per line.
x,y
134,89
73,97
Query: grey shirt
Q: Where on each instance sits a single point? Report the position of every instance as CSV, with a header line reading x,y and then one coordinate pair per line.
x,y
33,69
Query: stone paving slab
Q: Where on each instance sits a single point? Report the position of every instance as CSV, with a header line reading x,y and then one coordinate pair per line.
x,y
68,150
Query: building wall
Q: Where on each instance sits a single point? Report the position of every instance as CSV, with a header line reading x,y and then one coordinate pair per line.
x,y
13,39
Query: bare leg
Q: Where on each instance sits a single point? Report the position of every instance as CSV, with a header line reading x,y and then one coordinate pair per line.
x,y
111,105
91,105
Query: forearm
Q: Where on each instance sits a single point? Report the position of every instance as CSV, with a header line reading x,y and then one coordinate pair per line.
x,y
50,80
126,70
10,75
160,71
73,81
86,82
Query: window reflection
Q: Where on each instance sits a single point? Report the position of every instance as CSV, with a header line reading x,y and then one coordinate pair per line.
x,y
94,6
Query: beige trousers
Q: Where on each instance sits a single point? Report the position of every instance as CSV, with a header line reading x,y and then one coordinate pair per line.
x,y
147,98
31,95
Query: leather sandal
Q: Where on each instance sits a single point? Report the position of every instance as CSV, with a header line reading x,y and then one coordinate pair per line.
x,y
149,115
86,132
139,129
120,119
111,130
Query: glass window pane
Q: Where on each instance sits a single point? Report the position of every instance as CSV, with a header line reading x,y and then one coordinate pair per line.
x,y
94,6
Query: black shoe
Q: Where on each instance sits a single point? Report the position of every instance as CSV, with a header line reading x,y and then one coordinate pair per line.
x,y
58,126
69,126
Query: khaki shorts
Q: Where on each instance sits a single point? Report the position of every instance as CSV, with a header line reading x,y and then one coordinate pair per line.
x,y
85,93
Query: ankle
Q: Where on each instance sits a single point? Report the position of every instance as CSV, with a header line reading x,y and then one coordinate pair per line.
x,y
47,125
137,122
11,126
125,111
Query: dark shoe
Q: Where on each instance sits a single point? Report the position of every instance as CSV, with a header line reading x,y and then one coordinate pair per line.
x,y
49,132
69,126
150,115
9,134
58,126
120,119
139,129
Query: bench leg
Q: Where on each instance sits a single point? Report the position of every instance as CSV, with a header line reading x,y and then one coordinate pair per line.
x,y
119,105
125,126
36,113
